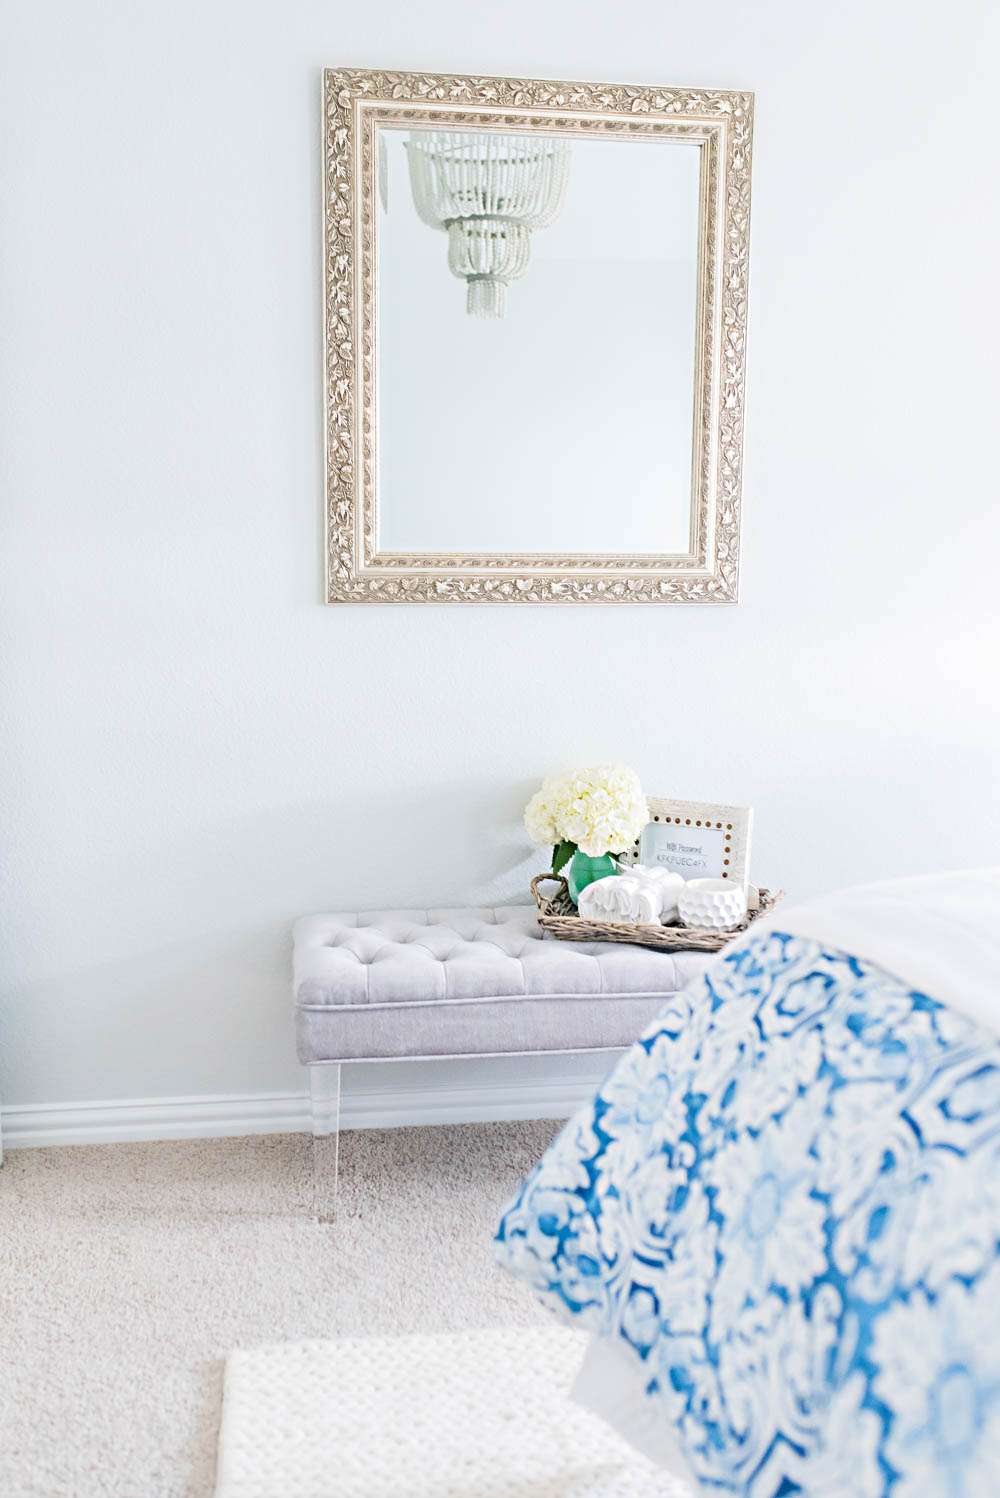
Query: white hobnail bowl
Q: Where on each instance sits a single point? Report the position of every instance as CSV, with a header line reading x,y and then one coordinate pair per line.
x,y
714,903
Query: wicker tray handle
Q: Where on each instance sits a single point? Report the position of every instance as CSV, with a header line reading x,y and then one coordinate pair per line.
x,y
556,879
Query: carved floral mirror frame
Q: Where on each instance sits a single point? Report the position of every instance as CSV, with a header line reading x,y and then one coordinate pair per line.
x,y
355,103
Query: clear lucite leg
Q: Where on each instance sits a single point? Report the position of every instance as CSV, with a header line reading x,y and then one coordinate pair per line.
x,y
324,1083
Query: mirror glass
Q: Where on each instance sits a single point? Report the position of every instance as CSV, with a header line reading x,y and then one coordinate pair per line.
x,y
536,342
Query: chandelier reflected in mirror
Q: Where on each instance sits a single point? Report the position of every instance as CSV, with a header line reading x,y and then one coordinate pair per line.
x,y
488,192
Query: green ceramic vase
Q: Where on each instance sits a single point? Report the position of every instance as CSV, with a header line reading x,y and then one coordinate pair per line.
x,y
584,870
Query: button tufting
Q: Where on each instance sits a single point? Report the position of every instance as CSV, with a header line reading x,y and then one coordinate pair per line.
x,y
464,959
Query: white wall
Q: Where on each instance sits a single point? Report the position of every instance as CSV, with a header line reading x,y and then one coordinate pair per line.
x,y
196,751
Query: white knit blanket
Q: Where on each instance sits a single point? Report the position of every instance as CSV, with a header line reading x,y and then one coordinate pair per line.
x,y
938,932
464,1415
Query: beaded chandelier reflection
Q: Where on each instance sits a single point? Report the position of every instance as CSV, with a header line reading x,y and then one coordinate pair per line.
x,y
489,192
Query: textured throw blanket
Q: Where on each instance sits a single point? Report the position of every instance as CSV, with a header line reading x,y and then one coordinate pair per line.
x,y
782,1208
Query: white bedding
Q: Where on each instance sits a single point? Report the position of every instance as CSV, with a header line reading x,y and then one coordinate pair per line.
x,y
608,1384
939,932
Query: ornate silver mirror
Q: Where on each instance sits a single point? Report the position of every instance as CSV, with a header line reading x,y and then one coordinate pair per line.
x,y
535,320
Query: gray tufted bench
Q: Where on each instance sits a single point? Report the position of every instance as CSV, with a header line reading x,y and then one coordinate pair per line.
x,y
396,985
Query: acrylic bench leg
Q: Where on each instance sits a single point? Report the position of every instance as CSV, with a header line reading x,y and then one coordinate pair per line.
x,y
324,1085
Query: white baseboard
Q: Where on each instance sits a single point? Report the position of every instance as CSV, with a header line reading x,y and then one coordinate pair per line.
x,y
285,1113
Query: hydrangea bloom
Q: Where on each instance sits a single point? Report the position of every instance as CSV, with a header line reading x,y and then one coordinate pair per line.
x,y
601,809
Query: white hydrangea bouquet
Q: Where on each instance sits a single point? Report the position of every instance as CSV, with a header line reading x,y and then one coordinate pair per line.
x,y
587,816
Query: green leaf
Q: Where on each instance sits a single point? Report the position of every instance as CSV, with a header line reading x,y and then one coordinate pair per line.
x,y
561,855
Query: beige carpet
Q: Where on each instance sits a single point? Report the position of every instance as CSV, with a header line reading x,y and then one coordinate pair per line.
x,y
128,1272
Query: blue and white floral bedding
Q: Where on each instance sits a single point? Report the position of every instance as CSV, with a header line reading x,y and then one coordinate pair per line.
x,y
783,1205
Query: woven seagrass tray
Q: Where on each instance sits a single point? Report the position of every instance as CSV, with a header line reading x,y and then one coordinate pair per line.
x,y
557,914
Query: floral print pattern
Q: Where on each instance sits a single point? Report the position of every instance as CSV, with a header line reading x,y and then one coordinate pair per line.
x,y
785,1203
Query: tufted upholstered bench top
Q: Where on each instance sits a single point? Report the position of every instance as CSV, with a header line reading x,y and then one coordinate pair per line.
x,y
419,983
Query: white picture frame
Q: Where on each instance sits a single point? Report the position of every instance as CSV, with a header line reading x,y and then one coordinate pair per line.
x,y
696,839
